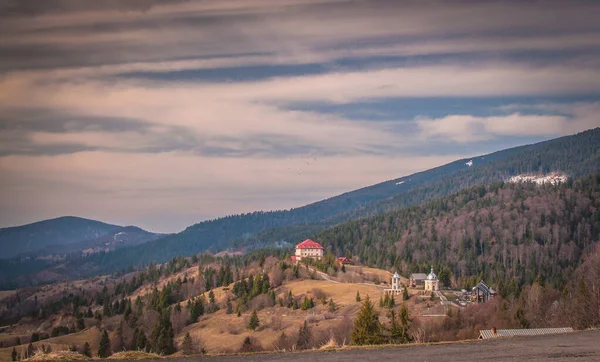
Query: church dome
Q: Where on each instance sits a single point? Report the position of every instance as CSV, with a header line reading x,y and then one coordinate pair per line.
x,y
432,276
396,276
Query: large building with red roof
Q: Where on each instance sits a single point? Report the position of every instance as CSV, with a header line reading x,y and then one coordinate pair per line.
x,y
308,249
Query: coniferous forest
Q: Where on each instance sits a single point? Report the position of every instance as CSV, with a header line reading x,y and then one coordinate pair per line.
x,y
505,233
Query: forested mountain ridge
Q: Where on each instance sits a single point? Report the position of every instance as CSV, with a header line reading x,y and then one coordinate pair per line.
x,y
576,155
509,234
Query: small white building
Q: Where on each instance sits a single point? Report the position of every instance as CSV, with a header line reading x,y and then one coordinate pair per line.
x,y
308,249
432,282
396,285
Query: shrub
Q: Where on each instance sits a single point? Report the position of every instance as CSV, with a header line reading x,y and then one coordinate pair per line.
x,y
250,344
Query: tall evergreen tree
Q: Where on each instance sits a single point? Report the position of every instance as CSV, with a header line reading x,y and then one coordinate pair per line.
x,y
367,328
104,345
404,318
86,350
162,334
304,337
13,354
141,343
253,323
187,346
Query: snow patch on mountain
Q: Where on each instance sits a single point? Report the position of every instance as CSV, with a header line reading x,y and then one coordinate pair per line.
x,y
553,178
470,163
400,182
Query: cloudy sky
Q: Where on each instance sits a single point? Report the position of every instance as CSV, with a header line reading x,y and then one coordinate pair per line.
x,y
165,113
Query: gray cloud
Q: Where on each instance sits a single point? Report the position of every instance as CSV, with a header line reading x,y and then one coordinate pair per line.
x,y
65,34
18,125
50,120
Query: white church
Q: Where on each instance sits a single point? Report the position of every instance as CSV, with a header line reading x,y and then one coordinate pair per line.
x,y
431,282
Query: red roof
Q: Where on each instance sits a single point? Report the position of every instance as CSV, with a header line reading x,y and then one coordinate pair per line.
x,y
293,257
309,244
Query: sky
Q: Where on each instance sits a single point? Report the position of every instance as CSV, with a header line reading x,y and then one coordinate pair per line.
x,y
162,114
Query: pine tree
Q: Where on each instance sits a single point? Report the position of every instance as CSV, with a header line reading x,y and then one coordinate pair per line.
x,y
119,341
13,354
303,336
331,305
367,328
141,343
104,346
229,307
187,346
128,309
86,350
211,297
395,333
404,319
405,295
254,322
307,303
80,324
162,334
357,296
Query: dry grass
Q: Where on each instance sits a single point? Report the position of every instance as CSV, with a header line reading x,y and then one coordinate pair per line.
x,y
57,356
215,330
127,355
91,335
342,294
330,345
7,293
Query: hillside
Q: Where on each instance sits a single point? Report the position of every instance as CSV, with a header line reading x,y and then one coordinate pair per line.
x,y
502,232
575,155
61,231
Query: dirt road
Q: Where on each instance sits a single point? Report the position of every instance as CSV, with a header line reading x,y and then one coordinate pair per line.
x,y
576,346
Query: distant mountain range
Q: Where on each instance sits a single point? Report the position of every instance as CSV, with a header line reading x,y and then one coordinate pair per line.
x,y
68,234
577,155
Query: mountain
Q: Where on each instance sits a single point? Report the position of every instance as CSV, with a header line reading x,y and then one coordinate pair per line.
x,y
62,231
34,253
574,155
502,232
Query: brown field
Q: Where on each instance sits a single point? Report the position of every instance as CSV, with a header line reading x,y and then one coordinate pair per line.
x,y
223,333
6,293
91,335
